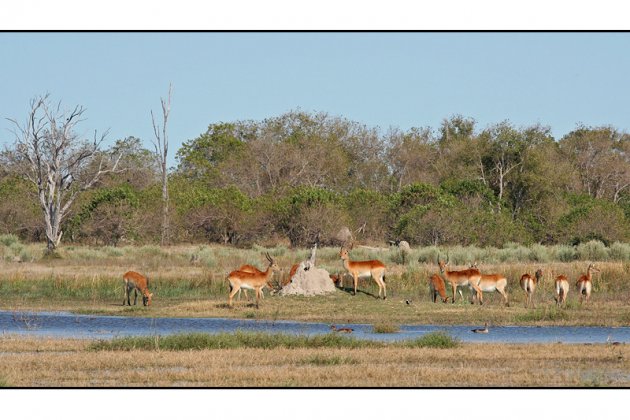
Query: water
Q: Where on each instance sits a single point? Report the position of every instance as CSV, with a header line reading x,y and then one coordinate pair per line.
x,y
68,325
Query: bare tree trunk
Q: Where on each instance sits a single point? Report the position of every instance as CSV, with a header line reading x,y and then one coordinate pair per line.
x,y
49,154
161,152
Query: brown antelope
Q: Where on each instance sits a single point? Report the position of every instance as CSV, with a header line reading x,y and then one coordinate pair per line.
x,y
470,277
371,268
335,278
256,281
436,285
562,289
342,330
248,268
136,282
528,284
493,283
584,284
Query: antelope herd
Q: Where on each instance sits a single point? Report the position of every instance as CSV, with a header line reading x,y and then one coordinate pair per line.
x,y
249,277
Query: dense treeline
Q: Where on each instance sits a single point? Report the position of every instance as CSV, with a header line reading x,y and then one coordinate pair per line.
x,y
292,177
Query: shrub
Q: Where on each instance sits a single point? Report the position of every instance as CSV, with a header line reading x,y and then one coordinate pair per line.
x,y
8,240
592,251
539,253
565,253
619,251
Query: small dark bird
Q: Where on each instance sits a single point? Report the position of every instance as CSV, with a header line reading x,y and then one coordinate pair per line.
x,y
408,302
483,330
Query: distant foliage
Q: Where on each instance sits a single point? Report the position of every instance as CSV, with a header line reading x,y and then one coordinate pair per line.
x,y
297,177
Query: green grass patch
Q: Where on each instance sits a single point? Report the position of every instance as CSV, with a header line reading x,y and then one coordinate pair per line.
x,y
385,328
546,313
4,383
240,339
436,340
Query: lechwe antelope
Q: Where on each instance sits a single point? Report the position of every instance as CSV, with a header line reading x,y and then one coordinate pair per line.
x,y
253,281
492,283
248,268
584,284
436,285
528,284
562,289
470,277
136,282
371,268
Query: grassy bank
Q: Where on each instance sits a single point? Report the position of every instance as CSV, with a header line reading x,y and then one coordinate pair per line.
x,y
41,362
189,281
249,340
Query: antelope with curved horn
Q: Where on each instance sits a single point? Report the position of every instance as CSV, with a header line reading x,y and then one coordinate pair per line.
x,y
371,268
470,277
248,268
529,283
584,284
256,281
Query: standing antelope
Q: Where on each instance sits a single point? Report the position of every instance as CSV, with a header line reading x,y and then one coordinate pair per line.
x,y
136,282
562,289
584,284
256,281
528,284
248,268
492,283
436,285
470,277
371,268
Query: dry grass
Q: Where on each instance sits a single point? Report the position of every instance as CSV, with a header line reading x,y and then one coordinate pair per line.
x,y
30,362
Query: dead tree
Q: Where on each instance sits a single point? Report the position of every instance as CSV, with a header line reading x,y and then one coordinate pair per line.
x,y
50,154
161,153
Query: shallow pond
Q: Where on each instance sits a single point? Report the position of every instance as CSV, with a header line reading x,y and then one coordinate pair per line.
x,y
68,325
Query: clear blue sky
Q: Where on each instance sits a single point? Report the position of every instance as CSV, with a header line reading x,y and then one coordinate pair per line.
x,y
380,79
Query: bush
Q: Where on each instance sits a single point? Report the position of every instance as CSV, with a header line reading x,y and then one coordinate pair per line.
x,y
8,240
592,251
539,253
565,253
619,252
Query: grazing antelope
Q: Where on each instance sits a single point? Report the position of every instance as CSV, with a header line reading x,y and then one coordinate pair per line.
x,y
562,289
335,278
483,330
256,281
528,284
470,277
136,282
584,284
492,283
342,330
371,268
436,284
